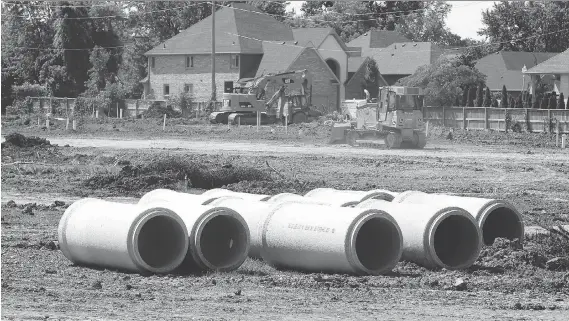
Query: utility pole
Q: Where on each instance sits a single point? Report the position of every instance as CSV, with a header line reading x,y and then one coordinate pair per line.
x,y
213,91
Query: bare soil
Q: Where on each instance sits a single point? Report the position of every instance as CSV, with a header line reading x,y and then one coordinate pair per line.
x,y
508,281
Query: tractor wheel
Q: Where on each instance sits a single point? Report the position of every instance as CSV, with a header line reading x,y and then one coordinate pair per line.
x,y
419,139
393,140
351,138
299,118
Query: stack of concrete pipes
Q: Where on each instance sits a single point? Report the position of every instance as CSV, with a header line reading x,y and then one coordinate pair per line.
x,y
326,230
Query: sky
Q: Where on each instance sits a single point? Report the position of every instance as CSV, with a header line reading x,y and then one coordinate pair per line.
x,y
464,18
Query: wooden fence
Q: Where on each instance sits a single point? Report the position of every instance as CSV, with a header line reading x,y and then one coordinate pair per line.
x,y
535,120
58,106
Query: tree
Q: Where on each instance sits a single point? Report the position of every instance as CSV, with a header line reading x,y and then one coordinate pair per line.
x,y
515,25
465,91
443,80
519,103
544,101
552,101
528,101
487,98
429,25
457,101
536,101
504,100
99,75
471,97
561,102
494,102
479,96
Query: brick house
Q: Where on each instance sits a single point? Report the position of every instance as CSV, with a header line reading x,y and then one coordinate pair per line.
x,y
244,34
505,68
557,67
395,55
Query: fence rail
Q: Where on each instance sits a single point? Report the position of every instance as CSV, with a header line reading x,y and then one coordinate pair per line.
x,y
534,120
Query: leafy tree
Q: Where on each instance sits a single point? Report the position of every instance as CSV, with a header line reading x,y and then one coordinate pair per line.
x,y
528,101
457,101
487,98
561,102
465,91
536,101
494,102
471,97
479,96
513,23
99,74
443,80
504,100
552,101
544,101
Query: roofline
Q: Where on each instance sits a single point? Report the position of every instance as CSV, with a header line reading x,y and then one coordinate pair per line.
x,y
323,60
201,53
338,39
545,72
361,66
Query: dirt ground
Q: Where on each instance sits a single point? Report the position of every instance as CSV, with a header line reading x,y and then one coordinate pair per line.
x,y
507,282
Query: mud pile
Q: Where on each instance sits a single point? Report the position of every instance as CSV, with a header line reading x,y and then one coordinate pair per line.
x,y
19,140
174,173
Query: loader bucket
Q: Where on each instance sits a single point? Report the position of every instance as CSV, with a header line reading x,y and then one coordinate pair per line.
x,y
338,132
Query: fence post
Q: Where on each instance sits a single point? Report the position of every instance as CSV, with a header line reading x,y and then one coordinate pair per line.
x,y
164,124
136,109
557,133
67,107
444,118
464,118
50,105
485,117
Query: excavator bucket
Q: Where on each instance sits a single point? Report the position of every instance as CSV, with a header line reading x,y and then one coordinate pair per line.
x,y
338,132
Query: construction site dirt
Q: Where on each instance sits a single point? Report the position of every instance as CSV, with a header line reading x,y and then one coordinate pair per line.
x,y
509,281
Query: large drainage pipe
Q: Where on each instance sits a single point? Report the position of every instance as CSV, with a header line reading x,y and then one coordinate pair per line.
x,y
434,236
496,218
295,198
331,239
169,195
219,192
254,214
347,198
218,236
129,237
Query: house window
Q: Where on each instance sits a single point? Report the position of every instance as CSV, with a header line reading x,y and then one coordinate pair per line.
x,y
190,62
189,88
153,62
234,61
166,91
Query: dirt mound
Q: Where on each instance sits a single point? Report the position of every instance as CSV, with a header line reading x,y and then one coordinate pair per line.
x,y
19,140
158,111
174,173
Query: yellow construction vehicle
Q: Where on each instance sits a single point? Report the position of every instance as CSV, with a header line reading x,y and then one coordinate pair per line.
x,y
289,92
396,120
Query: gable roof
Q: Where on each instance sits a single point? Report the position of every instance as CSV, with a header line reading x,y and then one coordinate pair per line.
x,y
362,63
505,68
558,64
234,26
316,36
277,57
354,63
403,58
378,39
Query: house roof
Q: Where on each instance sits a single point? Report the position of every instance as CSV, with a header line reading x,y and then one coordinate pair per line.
x,y
505,68
558,64
278,57
236,28
403,58
354,63
378,39
316,36
381,81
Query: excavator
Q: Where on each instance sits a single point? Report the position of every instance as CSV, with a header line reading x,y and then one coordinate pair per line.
x,y
291,93
396,120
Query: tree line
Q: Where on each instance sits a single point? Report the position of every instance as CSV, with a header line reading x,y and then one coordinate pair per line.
x,y
95,49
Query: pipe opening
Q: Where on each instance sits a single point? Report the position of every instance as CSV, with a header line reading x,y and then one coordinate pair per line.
x,y
223,241
378,244
502,222
161,242
456,241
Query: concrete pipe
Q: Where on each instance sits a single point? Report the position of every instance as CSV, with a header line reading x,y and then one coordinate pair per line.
x,y
434,236
169,195
129,237
218,192
347,198
218,236
290,197
254,214
496,218
320,238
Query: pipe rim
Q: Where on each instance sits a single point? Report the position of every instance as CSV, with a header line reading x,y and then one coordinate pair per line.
x,y
483,214
316,190
429,238
400,198
351,237
379,194
195,239
133,240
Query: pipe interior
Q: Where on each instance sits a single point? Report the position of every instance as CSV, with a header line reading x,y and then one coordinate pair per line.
x,y
456,241
223,241
378,244
161,241
501,222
